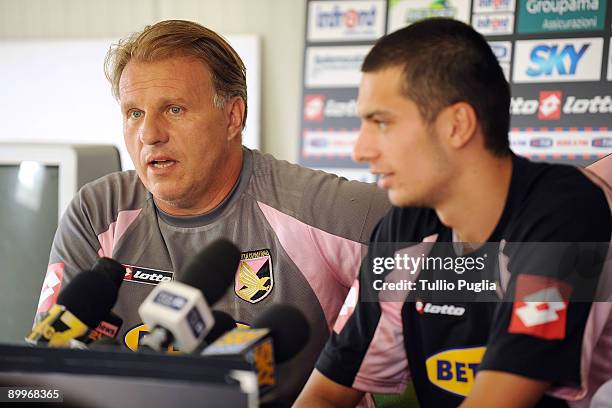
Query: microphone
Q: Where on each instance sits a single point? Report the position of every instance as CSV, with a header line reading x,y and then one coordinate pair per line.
x,y
276,336
85,301
178,312
108,328
113,269
110,325
289,329
223,323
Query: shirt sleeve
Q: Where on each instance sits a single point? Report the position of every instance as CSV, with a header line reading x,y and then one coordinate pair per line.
x,y
350,211
554,265
75,249
366,350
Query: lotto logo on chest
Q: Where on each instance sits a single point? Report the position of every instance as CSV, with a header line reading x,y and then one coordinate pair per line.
x,y
146,276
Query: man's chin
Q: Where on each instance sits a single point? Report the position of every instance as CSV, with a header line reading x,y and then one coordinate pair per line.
x,y
164,200
399,199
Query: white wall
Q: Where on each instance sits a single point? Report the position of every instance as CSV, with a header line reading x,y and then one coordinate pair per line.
x,y
279,23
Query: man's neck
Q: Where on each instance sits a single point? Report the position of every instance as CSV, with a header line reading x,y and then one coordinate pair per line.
x,y
477,199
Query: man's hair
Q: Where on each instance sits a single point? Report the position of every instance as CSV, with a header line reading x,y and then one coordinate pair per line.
x,y
445,61
173,38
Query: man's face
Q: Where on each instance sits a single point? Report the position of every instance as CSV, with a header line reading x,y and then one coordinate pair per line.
x,y
396,142
177,139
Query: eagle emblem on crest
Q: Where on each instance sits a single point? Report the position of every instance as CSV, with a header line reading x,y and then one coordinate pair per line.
x,y
254,278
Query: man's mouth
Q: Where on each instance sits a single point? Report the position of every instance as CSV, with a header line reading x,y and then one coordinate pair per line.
x,y
384,179
160,164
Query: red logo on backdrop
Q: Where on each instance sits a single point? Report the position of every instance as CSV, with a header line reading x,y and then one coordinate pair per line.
x,y
550,105
313,107
540,307
51,287
351,18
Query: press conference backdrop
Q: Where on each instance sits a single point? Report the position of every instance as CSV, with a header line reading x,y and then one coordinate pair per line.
x,y
554,53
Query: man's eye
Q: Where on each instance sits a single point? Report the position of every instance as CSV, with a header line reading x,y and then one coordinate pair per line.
x,y
175,110
381,125
135,114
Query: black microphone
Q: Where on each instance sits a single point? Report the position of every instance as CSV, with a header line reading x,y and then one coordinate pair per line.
x,y
212,270
289,329
178,312
108,328
110,325
223,323
82,305
113,269
277,335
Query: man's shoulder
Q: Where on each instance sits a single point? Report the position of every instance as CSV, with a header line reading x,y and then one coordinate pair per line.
x,y
408,224
323,200
104,198
553,178
564,200
292,175
114,185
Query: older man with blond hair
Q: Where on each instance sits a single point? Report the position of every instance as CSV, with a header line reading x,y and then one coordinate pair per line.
x,y
182,92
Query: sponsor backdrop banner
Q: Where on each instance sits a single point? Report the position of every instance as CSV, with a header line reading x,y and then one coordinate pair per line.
x,y
556,55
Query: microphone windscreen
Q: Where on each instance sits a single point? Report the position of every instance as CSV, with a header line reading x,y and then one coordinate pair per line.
x,y
213,269
289,329
113,269
223,324
89,296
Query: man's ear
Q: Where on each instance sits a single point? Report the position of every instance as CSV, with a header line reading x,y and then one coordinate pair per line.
x,y
234,109
457,124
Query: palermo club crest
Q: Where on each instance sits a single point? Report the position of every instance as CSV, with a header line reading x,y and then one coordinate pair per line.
x,y
254,279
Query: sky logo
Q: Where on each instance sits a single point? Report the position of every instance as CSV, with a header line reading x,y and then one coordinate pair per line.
x,y
546,60
560,60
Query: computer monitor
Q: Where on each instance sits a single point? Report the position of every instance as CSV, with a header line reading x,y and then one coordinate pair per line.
x,y
37,182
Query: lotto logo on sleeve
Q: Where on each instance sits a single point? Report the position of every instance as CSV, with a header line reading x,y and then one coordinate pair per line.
x,y
540,307
51,287
350,303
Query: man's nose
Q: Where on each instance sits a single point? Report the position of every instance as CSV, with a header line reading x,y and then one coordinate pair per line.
x,y
153,131
365,149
